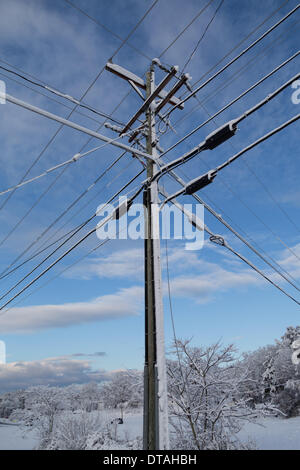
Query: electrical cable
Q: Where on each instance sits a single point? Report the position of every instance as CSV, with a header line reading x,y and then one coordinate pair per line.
x,y
107,29
186,27
257,142
219,240
173,175
233,60
61,95
212,140
69,115
93,230
74,159
40,250
256,84
81,226
202,36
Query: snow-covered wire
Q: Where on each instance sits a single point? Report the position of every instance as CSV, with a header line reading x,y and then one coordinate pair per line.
x,y
46,87
233,60
93,230
265,77
74,159
257,142
43,247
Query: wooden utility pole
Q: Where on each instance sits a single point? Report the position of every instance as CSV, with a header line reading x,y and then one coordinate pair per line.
x,y
156,434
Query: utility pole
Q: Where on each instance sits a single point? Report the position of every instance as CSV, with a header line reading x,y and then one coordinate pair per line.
x,y
156,435
155,425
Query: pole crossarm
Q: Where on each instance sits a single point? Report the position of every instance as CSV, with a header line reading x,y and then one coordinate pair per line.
x,y
151,98
172,92
138,81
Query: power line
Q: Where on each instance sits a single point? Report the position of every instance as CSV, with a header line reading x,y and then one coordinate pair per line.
x,y
233,60
72,247
231,102
69,220
257,142
230,80
71,112
274,43
208,177
106,28
228,187
219,217
36,254
74,159
219,240
203,35
61,95
186,27
239,43
259,82
227,131
50,186
268,17
96,195
273,13
173,175
52,99
72,125
58,275
261,182
48,228
102,174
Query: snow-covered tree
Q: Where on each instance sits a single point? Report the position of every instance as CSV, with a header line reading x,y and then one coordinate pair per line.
x,y
9,402
206,406
125,389
72,431
275,377
44,404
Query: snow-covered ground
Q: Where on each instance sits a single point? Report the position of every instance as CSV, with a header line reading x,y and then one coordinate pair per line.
x,y
268,433
13,437
273,433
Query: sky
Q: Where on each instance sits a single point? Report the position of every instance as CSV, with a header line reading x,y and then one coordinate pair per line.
x,y
85,321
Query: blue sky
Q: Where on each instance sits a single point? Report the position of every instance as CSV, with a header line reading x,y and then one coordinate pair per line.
x,y
97,306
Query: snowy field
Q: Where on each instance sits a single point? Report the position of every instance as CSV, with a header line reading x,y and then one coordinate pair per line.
x,y
268,433
273,433
13,437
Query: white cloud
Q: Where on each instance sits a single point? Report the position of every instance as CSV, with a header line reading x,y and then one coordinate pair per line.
x,y
290,260
126,302
50,371
125,263
202,287
129,264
